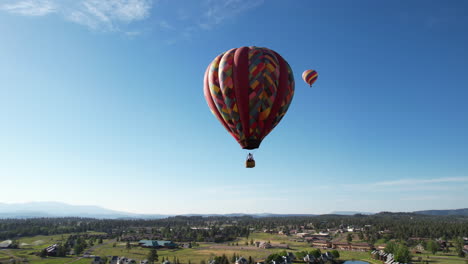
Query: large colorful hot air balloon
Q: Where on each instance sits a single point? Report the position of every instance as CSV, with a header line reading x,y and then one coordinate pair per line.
x,y
309,76
249,90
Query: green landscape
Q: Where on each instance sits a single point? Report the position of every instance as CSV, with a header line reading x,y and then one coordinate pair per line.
x,y
202,240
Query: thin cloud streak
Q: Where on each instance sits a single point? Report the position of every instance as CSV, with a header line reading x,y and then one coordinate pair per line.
x,y
95,14
30,7
219,11
421,181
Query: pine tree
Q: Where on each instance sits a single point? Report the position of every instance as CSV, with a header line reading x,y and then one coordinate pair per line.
x,y
153,256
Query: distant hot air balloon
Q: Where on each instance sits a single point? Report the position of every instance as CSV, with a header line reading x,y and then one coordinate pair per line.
x,y
249,90
309,76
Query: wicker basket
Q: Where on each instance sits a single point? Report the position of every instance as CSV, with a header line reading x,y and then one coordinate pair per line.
x,y
250,163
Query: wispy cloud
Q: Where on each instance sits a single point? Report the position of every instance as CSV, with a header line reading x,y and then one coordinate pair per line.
x,y
177,22
30,7
218,11
444,184
95,14
421,181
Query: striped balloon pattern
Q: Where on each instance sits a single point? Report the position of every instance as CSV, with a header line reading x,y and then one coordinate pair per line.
x,y
309,76
249,90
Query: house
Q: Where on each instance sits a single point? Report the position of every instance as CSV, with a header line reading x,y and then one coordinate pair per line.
x,y
97,260
381,247
264,245
361,247
341,245
287,259
166,262
303,234
386,258
320,237
241,260
52,250
321,244
324,257
113,259
144,262
122,260
156,244
6,244
309,258
419,248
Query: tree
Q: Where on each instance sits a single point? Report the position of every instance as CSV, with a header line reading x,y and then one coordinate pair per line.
x,y
274,257
100,240
202,262
251,260
14,244
459,244
402,254
251,241
104,259
349,238
152,255
221,259
233,258
432,246
78,249
315,252
335,253
390,247
361,235
128,246
43,253
301,254
61,250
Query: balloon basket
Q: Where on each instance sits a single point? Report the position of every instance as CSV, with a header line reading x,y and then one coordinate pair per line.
x,y
250,163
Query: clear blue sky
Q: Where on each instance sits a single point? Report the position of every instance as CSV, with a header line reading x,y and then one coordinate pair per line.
x,y
101,102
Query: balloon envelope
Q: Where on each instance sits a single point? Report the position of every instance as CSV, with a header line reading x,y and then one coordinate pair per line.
x,y
309,76
249,90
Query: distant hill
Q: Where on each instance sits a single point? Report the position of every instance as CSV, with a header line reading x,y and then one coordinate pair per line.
x,y
463,212
56,209
350,213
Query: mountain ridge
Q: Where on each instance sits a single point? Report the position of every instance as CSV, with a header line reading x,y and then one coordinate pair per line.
x,y
59,209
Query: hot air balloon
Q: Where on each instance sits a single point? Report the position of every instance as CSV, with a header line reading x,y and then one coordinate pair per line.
x,y
309,76
249,90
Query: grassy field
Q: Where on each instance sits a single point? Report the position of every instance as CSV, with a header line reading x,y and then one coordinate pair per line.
x,y
205,251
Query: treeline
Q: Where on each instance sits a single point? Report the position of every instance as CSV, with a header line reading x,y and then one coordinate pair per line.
x,y
220,228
